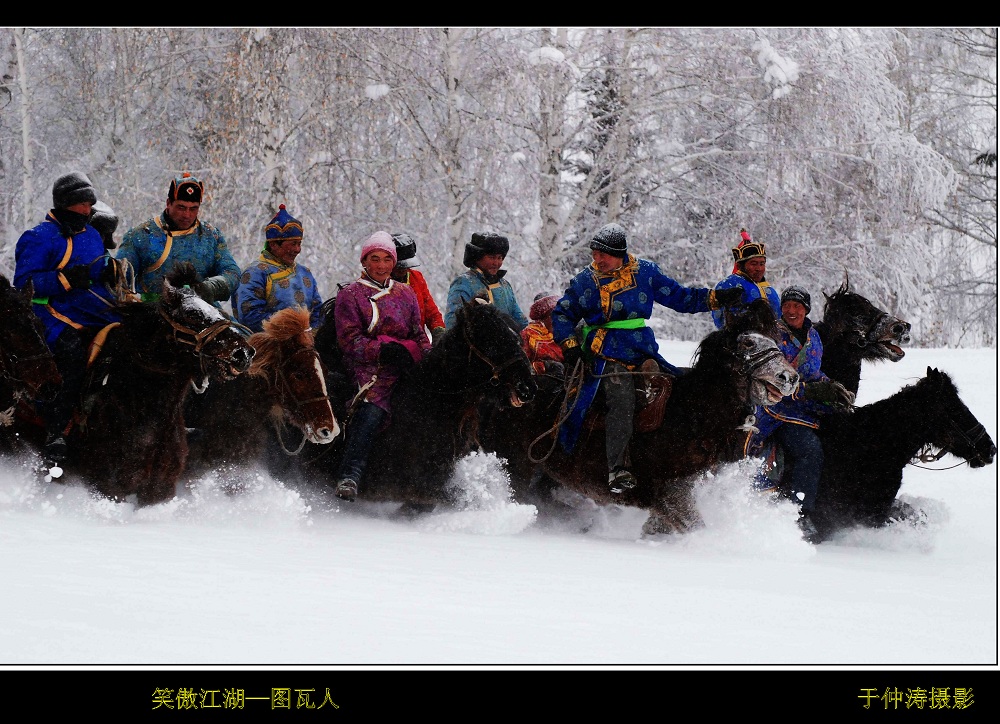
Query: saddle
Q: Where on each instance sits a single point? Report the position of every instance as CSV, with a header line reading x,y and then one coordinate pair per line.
x,y
652,390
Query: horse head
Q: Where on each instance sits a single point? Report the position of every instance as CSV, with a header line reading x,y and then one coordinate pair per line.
x,y
286,356
218,349
485,347
745,349
873,333
957,431
26,362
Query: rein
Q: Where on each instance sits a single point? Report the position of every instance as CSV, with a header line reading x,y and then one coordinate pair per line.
x,y
198,339
281,383
496,368
926,456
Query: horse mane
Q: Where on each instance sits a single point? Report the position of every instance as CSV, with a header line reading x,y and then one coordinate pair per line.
x,y
286,324
754,317
183,274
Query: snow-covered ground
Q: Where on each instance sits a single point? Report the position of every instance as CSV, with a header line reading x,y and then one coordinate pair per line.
x,y
268,579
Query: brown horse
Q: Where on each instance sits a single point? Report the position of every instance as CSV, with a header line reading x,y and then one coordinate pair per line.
x,y
27,369
285,387
131,438
735,368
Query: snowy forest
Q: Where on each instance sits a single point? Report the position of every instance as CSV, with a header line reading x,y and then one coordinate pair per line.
x,y
868,152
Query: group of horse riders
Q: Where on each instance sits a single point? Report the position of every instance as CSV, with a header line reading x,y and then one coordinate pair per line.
x,y
387,320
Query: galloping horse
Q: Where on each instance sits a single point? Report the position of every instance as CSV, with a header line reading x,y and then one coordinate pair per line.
x,y
131,438
865,451
854,330
27,367
284,387
735,368
477,365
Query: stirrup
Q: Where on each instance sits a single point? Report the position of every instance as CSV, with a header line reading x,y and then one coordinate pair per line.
x,y
347,489
620,480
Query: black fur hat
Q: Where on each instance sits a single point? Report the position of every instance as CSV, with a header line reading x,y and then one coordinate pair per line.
x,y
105,220
612,240
72,188
406,251
484,243
185,188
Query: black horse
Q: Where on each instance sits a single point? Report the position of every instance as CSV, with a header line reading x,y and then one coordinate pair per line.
x,y
854,330
131,437
735,368
866,451
478,365
27,368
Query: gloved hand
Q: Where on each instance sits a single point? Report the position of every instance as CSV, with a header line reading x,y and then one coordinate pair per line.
x,y
436,335
213,289
109,274
393,353
728,297
571,355
830,392
78,276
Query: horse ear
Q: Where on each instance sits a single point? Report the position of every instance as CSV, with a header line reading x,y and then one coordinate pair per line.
x,y
169,292
29,290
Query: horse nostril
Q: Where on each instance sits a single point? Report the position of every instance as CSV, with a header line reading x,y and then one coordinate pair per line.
x,y
242,359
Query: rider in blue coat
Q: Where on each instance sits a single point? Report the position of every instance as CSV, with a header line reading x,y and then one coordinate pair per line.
x,y
793,421
275,281
484,256
614,297
750,261
67,265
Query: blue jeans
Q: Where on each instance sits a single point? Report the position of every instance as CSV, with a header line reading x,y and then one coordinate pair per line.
x,y
361,432
803,460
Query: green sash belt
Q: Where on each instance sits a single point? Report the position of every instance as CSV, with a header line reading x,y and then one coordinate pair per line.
x,y
636,323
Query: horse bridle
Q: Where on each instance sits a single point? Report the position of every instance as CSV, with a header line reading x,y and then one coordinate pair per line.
x,y
497,369
753,362
281,380
977,430
198,339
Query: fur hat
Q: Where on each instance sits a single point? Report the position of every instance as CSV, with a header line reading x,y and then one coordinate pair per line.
x,y
105,220
612,240
379,241
747,249
542,306
73,188
484,243
406,251
283,227
185,188
797,294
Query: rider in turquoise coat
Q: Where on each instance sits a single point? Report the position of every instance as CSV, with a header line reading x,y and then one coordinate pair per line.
x,y
614,297
177,235
484,279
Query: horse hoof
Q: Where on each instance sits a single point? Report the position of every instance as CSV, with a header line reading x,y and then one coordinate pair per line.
x,y
347,489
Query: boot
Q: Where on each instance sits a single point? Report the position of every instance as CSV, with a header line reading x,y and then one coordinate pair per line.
x,y
55,447
347,489
620,480
810,533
